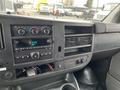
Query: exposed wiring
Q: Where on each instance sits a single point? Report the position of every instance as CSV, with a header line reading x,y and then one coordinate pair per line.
x,y
50,67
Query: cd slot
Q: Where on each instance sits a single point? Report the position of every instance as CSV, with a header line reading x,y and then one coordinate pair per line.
x,y
76,51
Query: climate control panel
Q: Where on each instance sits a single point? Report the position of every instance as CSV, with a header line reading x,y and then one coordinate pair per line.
x,y
28,30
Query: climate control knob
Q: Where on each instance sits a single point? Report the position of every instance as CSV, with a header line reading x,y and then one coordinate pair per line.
x,y
46,30
35,55
34,31
21,32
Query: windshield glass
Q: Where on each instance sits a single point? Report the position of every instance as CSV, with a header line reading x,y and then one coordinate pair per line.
x,y
86,10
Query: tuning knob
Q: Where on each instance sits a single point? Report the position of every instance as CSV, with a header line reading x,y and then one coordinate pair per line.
x,y
35,55
21,32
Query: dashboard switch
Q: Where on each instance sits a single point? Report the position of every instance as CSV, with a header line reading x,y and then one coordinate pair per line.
x,y
78,61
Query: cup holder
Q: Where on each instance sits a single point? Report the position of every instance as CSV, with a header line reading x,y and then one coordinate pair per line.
x,y
68,86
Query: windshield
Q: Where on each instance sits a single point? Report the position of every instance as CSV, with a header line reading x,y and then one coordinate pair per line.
x,y
78,10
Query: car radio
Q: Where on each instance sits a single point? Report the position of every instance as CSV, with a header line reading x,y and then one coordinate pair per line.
x,y
31,43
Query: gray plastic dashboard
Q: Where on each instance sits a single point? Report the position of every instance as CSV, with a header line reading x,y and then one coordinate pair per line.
x,y
100,40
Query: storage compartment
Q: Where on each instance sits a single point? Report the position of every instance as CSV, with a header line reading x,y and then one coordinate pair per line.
x,y
75,51
71,41
35,70
78,30
78,40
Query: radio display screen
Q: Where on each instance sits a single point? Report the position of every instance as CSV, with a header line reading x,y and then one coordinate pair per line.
x,y
22,43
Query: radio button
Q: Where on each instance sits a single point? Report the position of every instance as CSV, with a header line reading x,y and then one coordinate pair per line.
x,y
46,53
42,54
49,53
27,56
22,57
17,57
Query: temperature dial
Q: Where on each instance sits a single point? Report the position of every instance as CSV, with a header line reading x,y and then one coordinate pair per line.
x,y
21,32
46,30
34,31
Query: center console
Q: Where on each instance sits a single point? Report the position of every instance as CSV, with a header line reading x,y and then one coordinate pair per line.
x,y
35,49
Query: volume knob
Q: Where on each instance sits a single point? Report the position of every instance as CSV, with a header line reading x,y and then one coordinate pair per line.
x,y
35,55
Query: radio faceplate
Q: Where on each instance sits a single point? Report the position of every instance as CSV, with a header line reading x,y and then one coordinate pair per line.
x,y
31,43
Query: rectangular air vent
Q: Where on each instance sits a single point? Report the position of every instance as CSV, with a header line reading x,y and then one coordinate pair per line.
x,y
1,38
78,40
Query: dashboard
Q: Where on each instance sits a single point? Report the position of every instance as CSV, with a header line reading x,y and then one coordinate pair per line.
x,y
32,48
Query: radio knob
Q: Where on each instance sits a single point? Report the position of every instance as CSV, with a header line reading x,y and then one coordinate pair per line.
x,y
49,41
21,32
35,55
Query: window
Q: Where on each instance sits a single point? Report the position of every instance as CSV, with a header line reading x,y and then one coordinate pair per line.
x,y
78,10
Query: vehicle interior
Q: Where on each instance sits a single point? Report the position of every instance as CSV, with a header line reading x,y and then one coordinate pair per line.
x,y
46,54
